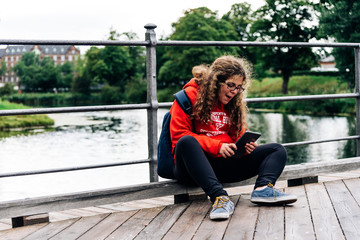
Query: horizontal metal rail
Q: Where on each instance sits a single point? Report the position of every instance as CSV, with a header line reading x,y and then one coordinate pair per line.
x,y
287,98
302,98
320,141
73,109
173,43
163,105
74,42
69,169
256,44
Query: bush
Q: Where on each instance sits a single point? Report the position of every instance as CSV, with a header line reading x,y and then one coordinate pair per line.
x,y
110,94
136,91
7,89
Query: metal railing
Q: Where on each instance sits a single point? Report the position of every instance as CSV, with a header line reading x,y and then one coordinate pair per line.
x,y
152,105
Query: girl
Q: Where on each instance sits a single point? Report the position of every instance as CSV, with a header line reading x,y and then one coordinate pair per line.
x,y
204,143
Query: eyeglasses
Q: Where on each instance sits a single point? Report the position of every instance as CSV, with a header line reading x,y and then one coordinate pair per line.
x,y
231,86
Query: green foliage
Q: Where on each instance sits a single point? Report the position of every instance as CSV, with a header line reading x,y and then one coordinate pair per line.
x,y
53,100
197,24
110,94
167,94
284,21
117,68
304,85
136,91
340,19
7,122
3,69
38,75
7,89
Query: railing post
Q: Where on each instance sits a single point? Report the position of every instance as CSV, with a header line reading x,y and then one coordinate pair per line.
x,y
357,90
150,36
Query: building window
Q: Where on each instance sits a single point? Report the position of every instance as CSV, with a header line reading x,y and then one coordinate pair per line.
x,y
62,58
70,58
55,58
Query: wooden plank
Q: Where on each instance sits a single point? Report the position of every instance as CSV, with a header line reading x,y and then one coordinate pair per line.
x,y
32,206
79,227
108,225
298,223
326,225
353,186
163,222
270,224
214,230
5,224
243,222
346,208
135,224
21,232
186,226
51,230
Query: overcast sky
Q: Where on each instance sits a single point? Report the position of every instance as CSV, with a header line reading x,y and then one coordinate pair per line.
x,y
92,20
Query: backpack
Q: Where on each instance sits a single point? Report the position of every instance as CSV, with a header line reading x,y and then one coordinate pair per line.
x,y
165,159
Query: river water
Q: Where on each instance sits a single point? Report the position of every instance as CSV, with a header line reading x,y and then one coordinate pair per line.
x,y
79,139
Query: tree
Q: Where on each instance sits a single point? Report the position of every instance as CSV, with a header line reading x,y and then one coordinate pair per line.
x,y
285,21
3,69
41,75
197,24
340,20
115,65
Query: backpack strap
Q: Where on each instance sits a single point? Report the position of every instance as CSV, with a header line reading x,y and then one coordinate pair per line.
x,y
184,101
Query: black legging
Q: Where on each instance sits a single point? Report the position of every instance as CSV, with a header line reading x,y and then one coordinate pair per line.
x,y
194,167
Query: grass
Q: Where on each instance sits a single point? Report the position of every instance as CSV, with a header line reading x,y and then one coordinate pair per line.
x,y
304,85
22,121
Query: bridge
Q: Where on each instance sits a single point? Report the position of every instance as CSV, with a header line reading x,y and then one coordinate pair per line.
x,y
340,192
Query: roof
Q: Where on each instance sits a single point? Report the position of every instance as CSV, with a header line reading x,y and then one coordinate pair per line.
x,y
45,49
57,49
17,50
2,52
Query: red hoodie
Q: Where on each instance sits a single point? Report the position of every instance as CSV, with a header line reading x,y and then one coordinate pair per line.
x,y
211,135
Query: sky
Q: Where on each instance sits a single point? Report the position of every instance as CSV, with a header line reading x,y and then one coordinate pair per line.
x,y
93,19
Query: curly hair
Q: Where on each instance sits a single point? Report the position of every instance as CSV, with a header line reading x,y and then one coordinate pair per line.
x,y
211,78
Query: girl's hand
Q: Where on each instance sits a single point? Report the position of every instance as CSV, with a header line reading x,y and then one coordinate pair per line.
x,y
226,149
249,147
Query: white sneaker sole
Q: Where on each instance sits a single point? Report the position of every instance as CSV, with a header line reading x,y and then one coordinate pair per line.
x,y
279,201
219,216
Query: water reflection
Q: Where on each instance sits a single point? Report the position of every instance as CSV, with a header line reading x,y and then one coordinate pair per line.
x,y
90,138
79,139
286,128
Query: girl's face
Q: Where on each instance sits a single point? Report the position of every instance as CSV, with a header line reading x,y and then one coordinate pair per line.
x,y
230,88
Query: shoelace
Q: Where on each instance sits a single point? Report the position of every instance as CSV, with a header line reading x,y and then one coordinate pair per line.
x,y
272,186
219,202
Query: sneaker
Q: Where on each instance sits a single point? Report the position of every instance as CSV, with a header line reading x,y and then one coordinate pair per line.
x,y
222,208
271,196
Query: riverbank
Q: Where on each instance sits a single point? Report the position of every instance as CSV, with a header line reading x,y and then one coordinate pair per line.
x,y
304,85
22,121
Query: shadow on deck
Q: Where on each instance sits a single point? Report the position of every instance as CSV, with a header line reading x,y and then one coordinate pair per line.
x,y
328,210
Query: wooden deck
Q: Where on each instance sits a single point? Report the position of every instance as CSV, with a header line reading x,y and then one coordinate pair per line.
x,y
326,210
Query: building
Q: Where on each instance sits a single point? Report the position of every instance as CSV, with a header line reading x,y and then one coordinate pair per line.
x,y
326,64
12,54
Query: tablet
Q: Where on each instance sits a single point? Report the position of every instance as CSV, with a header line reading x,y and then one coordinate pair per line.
x,y
246,138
